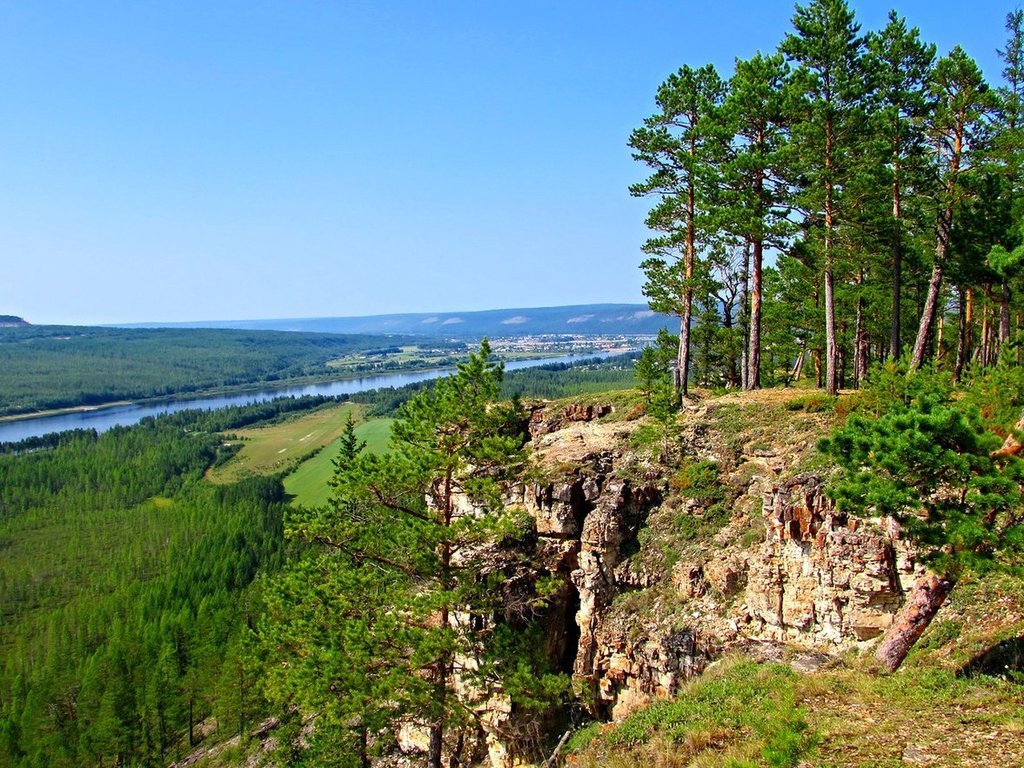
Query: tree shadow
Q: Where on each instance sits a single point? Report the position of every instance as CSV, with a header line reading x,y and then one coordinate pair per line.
x,y
1005,660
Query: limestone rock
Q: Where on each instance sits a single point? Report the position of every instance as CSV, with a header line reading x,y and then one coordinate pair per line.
x,y
820,577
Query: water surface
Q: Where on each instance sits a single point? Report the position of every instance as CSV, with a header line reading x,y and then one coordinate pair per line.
x,y
103,418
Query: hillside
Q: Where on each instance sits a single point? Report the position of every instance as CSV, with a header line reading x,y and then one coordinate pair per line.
x,y
583,319
712,608
736,591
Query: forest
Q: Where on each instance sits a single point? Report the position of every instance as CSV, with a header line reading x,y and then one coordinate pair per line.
x,y
122,584
848,197
65,366
126,581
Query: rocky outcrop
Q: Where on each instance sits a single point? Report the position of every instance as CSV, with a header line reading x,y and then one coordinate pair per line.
x,y
614,521
822,578
543,421
818,581
803,584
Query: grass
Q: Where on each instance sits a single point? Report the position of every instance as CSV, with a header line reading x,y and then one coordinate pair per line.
x,y
938,710
266,450
288,445
865,721
739,714
747,714
308,483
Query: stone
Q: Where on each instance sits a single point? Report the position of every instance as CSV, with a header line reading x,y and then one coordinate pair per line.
x,y
727,575
818,578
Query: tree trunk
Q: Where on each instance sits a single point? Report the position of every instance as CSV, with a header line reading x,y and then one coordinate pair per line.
x,y
943,236
754,349
895,346
928,312
917,613
745,318
798,366
442,671
364,747
985,334
732,371
862,346
436,741
940,323
969,320
831,347
682,373
961,339
1004,314
683,366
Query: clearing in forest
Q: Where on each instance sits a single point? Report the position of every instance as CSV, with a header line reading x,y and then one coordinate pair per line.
x,y
309,483
270,449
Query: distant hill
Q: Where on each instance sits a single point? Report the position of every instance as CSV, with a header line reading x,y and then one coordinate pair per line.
x,y
13,321
589,319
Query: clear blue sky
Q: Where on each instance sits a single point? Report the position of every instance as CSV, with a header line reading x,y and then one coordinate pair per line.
x,y
181,160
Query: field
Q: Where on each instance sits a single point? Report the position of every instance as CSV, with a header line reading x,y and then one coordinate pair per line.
x,y
280,447
407,356
266,450
308,483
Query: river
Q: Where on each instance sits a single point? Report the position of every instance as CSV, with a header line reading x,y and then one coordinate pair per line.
x,y
103,418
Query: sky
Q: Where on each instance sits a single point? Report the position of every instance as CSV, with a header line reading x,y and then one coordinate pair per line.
x,y
219,160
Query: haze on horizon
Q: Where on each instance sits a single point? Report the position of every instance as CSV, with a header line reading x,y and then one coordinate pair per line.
x,y
187,161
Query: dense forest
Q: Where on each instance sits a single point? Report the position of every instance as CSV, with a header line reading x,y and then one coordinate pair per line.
x,y
848,197
58,367
121,586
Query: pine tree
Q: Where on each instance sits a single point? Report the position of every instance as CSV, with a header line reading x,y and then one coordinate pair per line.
x,y
653,367
400,602
680,143
901,67
923,457
955,128
755,206
827,51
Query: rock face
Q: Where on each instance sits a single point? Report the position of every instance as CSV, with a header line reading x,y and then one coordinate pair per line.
x,y
586,527
632,623
816,579
821,578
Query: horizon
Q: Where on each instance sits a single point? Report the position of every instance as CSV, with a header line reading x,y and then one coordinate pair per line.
x,y
173,161
438,312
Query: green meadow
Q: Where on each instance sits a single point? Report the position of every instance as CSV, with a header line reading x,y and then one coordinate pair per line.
x,y
308,484
271,449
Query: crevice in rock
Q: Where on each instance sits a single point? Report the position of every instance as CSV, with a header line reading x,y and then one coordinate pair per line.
x,y
571,642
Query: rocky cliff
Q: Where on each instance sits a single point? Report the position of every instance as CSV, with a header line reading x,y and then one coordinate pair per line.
x,y
662,573
669,548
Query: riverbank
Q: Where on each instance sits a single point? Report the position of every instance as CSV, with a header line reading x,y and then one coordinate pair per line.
x,y
103,417
61,411
515,359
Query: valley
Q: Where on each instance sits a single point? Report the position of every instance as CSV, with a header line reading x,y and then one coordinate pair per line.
x,y
772,517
